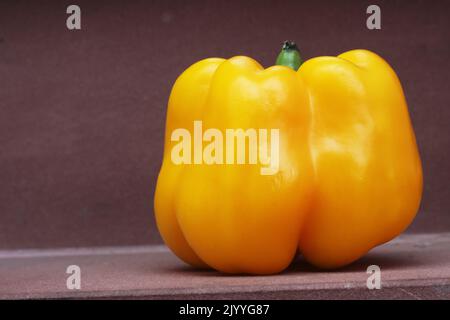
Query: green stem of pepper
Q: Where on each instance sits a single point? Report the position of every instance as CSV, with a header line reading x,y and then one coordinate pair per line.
x,y
289,56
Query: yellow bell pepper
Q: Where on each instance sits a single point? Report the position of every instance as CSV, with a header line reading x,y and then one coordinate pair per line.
x,y
348,177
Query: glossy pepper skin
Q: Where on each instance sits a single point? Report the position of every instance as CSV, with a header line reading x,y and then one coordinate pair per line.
x,y
367,165
349,177
230,217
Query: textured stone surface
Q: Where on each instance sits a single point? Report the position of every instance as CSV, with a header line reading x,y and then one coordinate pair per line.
x,y
412,267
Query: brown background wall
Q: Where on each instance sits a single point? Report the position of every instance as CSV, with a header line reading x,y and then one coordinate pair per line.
x,y
82,112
